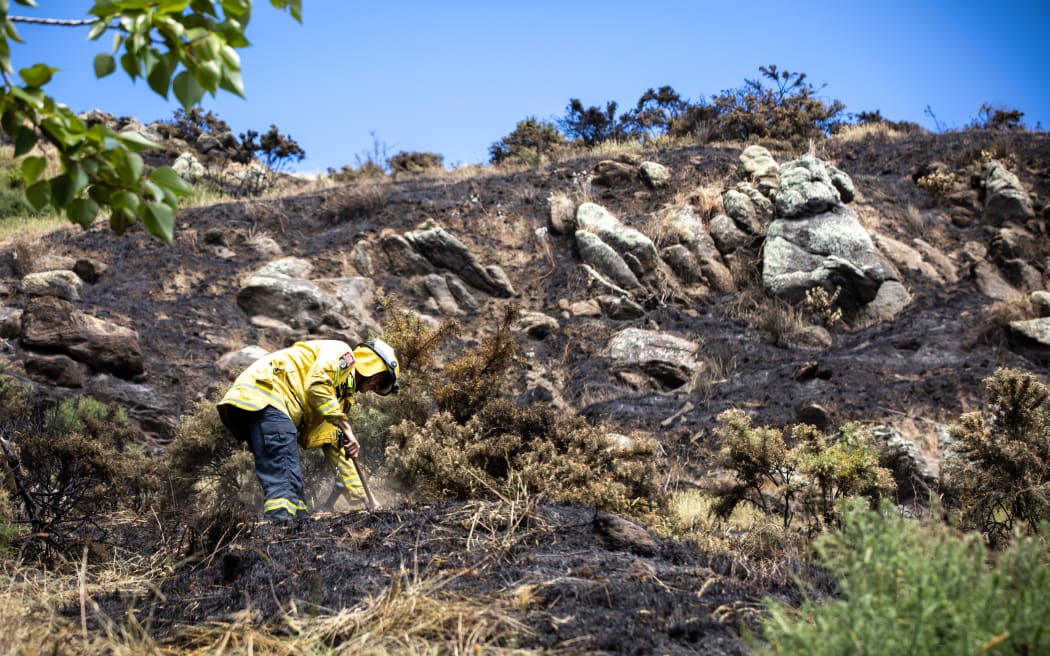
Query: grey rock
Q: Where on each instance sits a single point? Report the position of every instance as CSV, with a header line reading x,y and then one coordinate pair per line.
x,y
654,176
62,284
445,251
831,250
634,247
233,363
620,307
10,322
1040,299
53,325
562,215
60,370
536,325
604,259
727,236
1005,198
89,270
610,173
806,189
402,258
663,360
760,166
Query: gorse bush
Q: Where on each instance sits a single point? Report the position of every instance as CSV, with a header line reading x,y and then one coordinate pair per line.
x,y
504,450
477,377
211,479
74,462
476,443
906,588
530,143
997,477
805,479
414,163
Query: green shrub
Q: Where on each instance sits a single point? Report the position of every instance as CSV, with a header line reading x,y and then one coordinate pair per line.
x,y
414,163
655,114
990,117
996,478
787,110
590,125
530,143
807,479
910,588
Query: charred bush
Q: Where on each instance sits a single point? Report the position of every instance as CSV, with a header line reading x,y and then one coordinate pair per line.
x,y
996,479
214,492
478,376
505,451
72,464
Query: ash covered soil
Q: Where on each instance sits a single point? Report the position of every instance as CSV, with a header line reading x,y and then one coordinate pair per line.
x,y
571,575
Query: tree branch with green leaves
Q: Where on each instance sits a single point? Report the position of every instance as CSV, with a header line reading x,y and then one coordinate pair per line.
x,y
184,47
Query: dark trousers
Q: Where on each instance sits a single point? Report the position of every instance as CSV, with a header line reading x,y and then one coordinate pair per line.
x,y
271,437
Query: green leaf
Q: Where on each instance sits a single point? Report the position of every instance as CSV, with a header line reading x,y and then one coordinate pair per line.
x,y
11,121
131,65
98,28
171,6
62,190
233,83
294,7
209,74
39,194
32,167
104,64
78,179
37,75
120,220
160,77
236,7
24,141
122,199
187,90
83,212
159,220
135,141
12,33
165,176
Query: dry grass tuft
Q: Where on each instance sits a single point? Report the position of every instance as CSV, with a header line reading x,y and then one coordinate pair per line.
x,y
354,201
868,131
417,616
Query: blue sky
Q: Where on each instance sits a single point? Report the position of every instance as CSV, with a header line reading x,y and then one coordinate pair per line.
x,y
454,77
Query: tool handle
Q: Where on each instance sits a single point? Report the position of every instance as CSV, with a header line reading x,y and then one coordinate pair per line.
x,y
370,501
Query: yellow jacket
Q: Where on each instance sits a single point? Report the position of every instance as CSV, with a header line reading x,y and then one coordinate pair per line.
x,y
307,381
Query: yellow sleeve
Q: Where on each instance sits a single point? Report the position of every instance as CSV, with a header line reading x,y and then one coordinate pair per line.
x,y
320,392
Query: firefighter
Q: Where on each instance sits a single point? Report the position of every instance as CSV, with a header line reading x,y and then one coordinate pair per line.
x,y
300,396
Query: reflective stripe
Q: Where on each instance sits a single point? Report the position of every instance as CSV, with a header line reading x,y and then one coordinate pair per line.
x,y
351,481
283,504
327,408
241,403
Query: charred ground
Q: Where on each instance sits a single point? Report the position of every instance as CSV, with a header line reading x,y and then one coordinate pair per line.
x,y
565,572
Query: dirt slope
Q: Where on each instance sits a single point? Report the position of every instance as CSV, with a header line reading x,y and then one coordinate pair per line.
x,y
588,594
